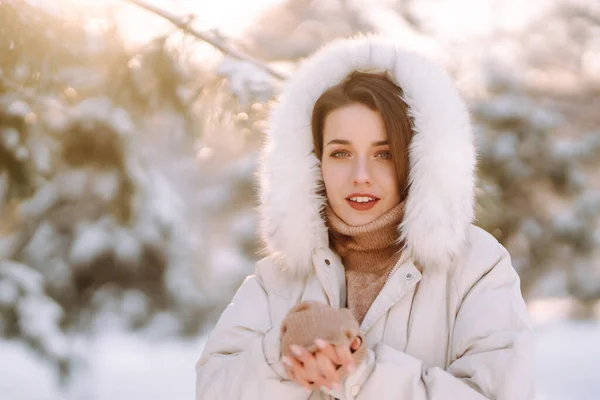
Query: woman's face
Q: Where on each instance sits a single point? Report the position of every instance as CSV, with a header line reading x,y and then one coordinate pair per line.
x,y
357,166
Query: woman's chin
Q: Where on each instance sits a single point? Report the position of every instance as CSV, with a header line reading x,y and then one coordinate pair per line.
x,y
358,218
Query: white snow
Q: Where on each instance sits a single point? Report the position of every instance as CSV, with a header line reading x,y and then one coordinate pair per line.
x,y
22,153
72,184
123,366
19,108
135,304
27,278
23,376
568,361
128,248
43,199
8,293
106,185
246,80
10,138
505,147
127,366
39,316
90,241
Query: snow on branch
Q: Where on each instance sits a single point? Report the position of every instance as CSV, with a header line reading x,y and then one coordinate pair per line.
x,y
209,38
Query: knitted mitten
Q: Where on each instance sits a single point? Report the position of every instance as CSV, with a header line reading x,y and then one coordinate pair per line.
x,y
310,320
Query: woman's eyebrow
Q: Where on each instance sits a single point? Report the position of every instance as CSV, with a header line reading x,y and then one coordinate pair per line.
x,y
347,142
338,141
380,143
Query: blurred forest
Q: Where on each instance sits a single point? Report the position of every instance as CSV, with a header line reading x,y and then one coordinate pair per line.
x,y
127,194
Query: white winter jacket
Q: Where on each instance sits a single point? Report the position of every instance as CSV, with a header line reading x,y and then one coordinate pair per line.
x,y
450,321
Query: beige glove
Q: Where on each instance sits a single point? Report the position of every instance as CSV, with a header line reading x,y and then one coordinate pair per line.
x,y
310,320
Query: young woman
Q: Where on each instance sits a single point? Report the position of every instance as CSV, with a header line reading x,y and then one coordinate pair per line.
x,y
377,285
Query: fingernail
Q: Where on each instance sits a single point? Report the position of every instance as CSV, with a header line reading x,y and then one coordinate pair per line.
x,y
286,361
296,350
337,386
321,343
351,368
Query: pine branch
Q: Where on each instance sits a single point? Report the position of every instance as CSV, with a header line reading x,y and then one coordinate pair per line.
x,y
212,39
31,96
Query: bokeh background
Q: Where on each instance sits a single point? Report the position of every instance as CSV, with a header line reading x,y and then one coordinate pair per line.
x,y
129,140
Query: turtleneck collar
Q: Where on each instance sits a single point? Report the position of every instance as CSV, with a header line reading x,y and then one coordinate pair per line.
x,y
372,247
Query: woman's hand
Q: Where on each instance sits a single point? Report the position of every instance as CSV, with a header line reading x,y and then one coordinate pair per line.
x,y
320,369
311,370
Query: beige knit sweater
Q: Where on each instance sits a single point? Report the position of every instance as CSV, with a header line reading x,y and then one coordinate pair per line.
x,y
368,253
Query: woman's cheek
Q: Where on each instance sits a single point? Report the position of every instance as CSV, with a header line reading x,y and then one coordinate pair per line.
x,y
387,173
328,179
331,173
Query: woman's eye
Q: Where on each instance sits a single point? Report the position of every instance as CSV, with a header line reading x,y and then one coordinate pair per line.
x,y
386,155
340,154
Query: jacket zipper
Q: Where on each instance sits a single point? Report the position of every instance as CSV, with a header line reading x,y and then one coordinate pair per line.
x,y
387,278
396,266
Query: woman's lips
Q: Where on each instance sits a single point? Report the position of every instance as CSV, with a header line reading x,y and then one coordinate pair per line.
x,y
362,206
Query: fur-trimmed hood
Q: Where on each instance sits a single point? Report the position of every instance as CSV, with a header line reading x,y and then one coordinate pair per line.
x,y
440,202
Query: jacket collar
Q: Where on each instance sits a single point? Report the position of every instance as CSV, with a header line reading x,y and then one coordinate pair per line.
x,y
330,273
440,202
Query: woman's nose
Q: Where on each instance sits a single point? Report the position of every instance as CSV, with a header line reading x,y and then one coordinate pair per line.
x,y
361,173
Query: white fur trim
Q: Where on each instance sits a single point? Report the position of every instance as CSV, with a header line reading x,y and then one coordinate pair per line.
x,y
440,203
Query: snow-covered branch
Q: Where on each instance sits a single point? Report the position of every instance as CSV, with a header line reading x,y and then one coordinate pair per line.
x,y
212,39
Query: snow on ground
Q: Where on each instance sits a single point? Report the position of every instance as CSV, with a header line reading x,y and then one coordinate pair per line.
x,y
125,366
22,376
568,361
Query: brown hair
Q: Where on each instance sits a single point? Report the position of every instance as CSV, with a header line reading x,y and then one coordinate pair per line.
x,y
380,94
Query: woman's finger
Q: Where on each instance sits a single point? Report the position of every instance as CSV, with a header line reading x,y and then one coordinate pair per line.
x,y
295,372
356,343
327,349
310,365
291,363
327,370
305,357
345,356
300,353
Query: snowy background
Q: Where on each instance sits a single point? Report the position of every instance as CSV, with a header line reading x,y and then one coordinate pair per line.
x,y
129,139
126,366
